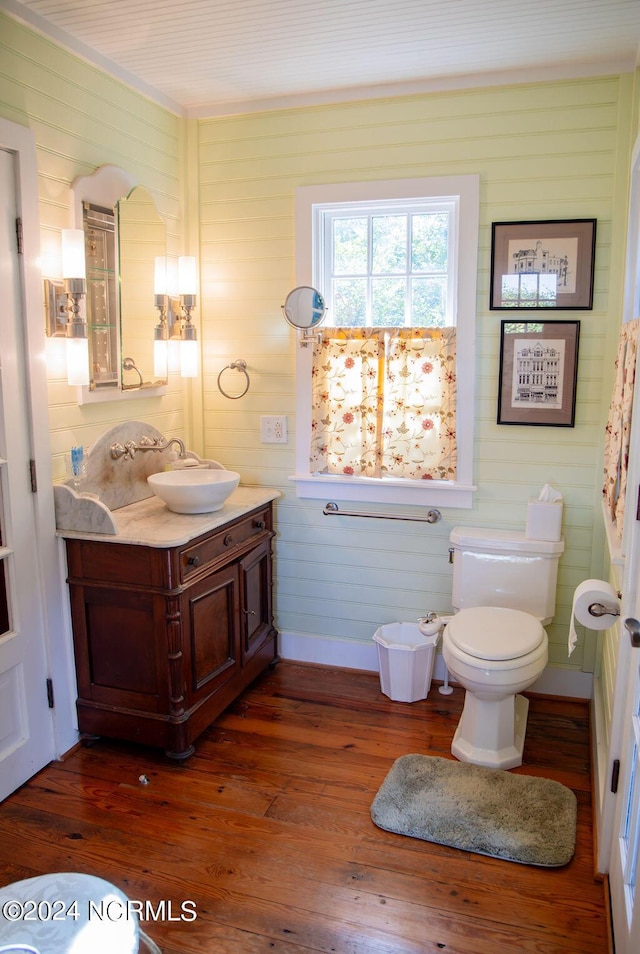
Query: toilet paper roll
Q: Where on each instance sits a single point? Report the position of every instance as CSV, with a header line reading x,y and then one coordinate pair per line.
x,y
588,593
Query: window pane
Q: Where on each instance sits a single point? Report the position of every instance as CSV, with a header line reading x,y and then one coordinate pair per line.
x,y
349,303
430,242
388,302
389,237
429,302
626,827
350,246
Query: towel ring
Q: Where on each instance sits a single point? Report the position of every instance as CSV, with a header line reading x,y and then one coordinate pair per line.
x,y
238,365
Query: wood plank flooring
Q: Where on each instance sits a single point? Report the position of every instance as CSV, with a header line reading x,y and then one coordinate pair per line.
x,y
267,830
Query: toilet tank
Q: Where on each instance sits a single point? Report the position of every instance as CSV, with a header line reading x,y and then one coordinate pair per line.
x,y
504,568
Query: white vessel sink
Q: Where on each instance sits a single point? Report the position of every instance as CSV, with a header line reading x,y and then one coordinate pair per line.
x,y
194,491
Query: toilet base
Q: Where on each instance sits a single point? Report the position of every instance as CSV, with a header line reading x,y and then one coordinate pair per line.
x,y
491,733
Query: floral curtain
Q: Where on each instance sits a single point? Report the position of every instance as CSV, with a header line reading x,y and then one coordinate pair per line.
x,y
383,403
618,431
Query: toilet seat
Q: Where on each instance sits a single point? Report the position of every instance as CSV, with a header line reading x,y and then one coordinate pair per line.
x,y
495,632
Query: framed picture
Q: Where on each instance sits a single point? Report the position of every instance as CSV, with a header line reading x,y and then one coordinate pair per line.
x,y
538,372
543,265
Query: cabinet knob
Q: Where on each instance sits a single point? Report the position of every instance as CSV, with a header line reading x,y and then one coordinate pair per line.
x,y
260,524
249,612
193,561
228,540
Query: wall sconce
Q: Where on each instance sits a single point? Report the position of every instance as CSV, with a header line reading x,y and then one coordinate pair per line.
x,y
62,307
161,330
187,288
175,316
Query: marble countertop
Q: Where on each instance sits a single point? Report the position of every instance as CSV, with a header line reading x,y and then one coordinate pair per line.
x,y
150,523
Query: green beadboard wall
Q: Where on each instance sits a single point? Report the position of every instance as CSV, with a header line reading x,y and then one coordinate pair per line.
x,y
543,151
82,119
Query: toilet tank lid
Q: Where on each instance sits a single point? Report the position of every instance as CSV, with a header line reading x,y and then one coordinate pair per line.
x,y
481,538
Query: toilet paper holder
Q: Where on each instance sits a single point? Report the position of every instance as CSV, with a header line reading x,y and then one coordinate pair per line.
x,y
599,609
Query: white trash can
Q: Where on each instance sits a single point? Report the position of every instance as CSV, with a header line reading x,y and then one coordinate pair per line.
x,y
405,660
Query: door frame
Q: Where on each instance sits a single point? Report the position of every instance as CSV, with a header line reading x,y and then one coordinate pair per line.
x,y
20,141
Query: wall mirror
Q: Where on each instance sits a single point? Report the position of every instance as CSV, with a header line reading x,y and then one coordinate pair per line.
x,y
123,235
141,239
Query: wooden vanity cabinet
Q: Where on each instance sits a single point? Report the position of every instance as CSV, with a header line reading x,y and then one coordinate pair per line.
x,y
166,638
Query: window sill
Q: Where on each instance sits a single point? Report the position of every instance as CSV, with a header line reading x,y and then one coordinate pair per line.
x,y
368,490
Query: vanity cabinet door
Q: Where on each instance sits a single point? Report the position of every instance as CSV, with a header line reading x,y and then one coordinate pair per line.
x,y
210,627
119,648
255,577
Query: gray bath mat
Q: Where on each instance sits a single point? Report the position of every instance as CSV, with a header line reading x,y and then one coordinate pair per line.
x,y
487,811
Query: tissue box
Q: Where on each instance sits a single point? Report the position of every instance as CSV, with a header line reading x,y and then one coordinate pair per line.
x,y
544,520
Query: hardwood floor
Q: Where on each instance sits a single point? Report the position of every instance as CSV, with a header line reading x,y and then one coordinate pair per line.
x,y
267,829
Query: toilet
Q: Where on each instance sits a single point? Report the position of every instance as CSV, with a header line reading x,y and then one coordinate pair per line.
x,y
495,644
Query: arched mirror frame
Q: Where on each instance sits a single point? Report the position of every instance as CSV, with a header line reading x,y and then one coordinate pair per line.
x,y
104,188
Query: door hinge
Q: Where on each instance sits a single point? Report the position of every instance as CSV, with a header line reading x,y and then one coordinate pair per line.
x,y
19,236
50,693
33,477
615,775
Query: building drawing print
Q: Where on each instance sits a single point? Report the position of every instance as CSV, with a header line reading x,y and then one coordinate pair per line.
x,y
540,270
537,373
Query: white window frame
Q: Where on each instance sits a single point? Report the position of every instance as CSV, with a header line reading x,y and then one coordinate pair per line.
x,y
465,191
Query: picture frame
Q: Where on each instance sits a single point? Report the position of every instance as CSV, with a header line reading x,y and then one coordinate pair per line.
x,y
538,372
543,265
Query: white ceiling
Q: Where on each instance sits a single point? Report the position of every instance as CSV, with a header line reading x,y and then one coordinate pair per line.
x,y
207,57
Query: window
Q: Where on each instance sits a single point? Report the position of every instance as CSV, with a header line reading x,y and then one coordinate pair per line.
x,y
388,265
396,262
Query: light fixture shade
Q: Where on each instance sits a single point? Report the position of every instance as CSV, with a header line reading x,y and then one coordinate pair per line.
x,y
187,275
160,359
173,351
73,260
78,361
160,286
189,359
172,277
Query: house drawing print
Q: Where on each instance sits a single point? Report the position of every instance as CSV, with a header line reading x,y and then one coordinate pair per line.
x,y
556,257
537,373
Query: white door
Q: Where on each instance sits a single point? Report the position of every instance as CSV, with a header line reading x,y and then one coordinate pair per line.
x,y
624,864
26,725
624,873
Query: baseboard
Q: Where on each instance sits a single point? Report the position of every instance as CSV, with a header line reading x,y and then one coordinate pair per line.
x,y
564,683
357,654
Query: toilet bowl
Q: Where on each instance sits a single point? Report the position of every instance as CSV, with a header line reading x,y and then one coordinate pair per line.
x,y
495,653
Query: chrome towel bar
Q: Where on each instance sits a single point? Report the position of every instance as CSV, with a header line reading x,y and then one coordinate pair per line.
x,y
331,509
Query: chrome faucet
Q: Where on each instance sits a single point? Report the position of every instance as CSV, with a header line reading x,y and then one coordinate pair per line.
x,y
129,449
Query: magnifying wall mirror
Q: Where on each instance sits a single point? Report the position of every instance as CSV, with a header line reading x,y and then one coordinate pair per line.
x,y
304,307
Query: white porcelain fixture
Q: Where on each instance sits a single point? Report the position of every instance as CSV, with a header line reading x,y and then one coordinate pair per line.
x,y
495,645
195,490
